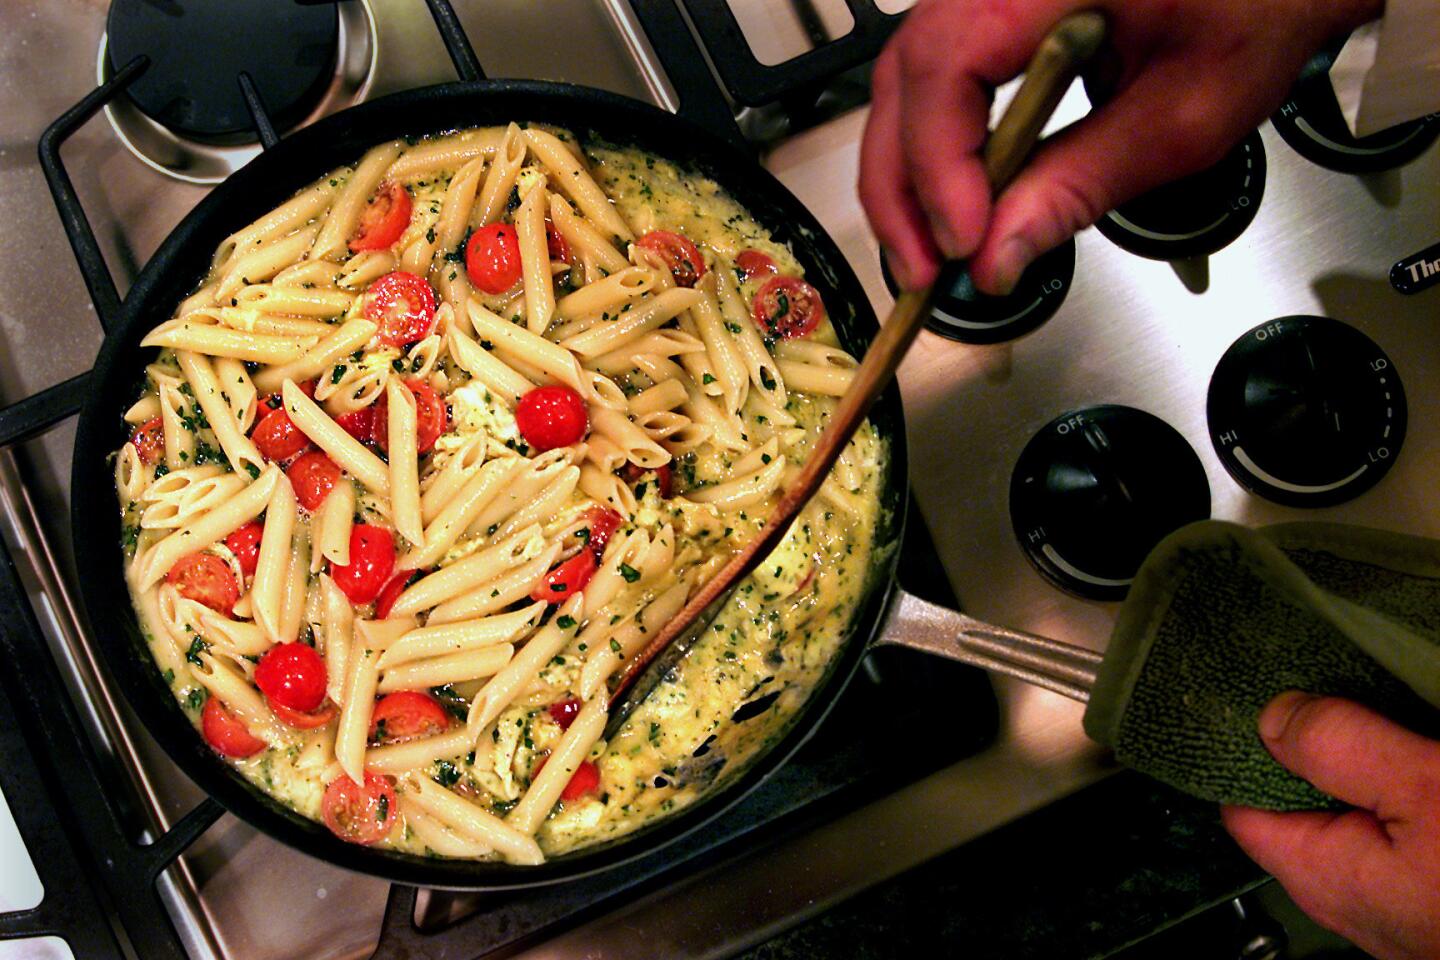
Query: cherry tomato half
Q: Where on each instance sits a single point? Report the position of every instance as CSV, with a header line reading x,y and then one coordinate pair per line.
x,y
149,440
245,544
292,675
301,720
565,712
406,715
492,258
403,305
603,524
566,579
556,243
753,264
680,255
372,560
550,417
313,475
226,733
205,578
276,436
358,423
359,814
392,592
787,307
431,417
664,477
384,220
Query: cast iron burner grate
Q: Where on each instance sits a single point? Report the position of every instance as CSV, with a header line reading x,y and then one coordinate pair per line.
x,y
93,870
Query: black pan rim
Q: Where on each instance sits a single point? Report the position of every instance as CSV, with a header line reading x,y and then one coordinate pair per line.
x,y
260,186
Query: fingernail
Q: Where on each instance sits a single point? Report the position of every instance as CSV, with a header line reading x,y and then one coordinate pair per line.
x,y
1279,712
1014,256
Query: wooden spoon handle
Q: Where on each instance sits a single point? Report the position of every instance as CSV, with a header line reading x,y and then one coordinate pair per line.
x,y
1061,55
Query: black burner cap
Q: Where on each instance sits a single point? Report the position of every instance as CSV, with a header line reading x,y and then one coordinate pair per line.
x,y
198,48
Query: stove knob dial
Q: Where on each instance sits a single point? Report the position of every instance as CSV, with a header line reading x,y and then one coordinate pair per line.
x,y
1095,491
1306,411
1311,122
1196,215
960,312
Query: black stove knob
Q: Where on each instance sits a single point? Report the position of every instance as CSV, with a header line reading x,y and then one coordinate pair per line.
x,y
1097,489
1306,411
1311,122
960,312
1196,215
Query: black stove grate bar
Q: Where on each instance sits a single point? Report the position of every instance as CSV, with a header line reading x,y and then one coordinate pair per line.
x,y
256,105
457,44
39,412
753,83
98,279
83,823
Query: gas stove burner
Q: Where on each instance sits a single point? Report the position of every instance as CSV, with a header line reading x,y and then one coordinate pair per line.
x,y
960,312
186,115
1096,489
1311,122
1196,215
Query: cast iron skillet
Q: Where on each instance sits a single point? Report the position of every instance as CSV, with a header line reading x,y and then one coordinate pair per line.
x,y
300,158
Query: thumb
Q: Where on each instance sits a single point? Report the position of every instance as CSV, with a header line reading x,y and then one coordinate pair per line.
x,y
1352,753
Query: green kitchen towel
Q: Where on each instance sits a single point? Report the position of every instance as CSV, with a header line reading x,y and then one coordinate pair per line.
x,y
1221,618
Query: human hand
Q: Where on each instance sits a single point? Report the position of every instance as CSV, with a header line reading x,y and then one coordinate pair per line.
x,y
1192,78
1371,874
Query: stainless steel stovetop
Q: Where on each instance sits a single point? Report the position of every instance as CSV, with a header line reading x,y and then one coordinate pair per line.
x,y
1129,332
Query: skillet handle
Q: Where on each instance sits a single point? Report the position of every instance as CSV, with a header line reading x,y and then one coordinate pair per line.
x,y
1060,667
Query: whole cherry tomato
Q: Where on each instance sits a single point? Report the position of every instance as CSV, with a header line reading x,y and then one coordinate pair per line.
x,y
358,423
431,417
392,592
205,578
385,218
551,416
403,305
245,544
276,436
149,440
359,813
753,264
313,475
585,779
292,675
301,720
372,559
226,733
406,715
492,258
680,255
787,307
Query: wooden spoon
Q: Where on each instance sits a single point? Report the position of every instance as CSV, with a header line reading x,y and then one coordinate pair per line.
x,y
1061,55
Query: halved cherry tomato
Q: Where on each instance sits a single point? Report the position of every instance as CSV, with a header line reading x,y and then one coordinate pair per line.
x,y
372,560
664,476
276,436
359,814
432,416
492,258
149,440
403,305
301,720
226,733
292,675
680,255
245,544
603,524
392,592
313,475
787,307
205,578
552,416
405,715
566,579
565,712
753,263
358,423
556,243
384,220
585,779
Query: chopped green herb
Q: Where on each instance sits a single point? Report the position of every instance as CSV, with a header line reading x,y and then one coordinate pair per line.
x,y
337,374
629,573
564,621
